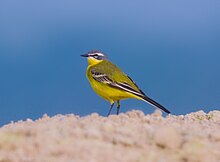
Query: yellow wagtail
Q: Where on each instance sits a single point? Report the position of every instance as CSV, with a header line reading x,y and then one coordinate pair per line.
x,y
108,81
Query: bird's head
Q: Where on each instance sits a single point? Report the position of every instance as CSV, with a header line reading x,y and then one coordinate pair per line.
x,y
95,57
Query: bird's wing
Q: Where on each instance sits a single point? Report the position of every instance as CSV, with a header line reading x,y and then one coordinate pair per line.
x,y
111,75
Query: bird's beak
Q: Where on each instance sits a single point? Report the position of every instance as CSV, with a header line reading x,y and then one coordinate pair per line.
x,y
85,55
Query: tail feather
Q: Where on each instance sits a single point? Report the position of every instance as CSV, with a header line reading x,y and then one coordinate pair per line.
x,y
154,103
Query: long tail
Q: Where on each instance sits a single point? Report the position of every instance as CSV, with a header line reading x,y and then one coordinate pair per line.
x,y
154,103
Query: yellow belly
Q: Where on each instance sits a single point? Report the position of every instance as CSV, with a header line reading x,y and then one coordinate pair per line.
x,y
109,93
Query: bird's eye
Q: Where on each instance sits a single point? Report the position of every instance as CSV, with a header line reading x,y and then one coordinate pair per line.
x,y
96,56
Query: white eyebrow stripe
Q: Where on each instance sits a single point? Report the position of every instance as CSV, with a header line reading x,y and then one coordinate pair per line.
x,y
99,54
96,54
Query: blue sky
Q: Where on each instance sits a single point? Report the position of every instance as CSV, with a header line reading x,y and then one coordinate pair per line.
x,y
170,49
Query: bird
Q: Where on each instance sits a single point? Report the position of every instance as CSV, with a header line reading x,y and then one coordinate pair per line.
x,y
111,83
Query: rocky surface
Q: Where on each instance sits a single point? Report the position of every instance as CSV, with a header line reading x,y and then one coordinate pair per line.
x,y
128,137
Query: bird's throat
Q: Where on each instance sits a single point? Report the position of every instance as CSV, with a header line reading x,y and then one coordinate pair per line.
x,y
92,61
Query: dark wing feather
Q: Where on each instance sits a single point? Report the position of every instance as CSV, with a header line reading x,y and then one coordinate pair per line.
x,y
103,78
136,86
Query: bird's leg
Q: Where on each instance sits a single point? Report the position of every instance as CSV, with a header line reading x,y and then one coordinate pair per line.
x,y
118,106
112,104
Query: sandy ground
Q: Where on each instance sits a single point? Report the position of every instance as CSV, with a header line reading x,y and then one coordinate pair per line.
x,y
128,137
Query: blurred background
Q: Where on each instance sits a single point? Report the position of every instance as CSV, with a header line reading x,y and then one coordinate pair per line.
x,y
171,49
